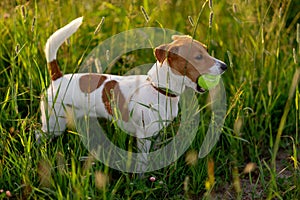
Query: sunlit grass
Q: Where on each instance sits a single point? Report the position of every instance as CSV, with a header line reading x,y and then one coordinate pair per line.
x,y
259,146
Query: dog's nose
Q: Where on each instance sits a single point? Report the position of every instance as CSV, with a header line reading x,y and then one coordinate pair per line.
x,y
223,66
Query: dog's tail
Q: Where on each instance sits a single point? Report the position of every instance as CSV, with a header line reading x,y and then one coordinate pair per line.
x,y
54,42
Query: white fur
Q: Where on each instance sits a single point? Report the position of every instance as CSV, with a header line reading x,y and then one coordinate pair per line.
x,y
143,122
56,40
216,68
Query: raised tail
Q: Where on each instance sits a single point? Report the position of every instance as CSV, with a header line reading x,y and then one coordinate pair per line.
x,y
55,41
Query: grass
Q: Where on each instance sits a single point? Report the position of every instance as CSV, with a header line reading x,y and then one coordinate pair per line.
x,y
259,40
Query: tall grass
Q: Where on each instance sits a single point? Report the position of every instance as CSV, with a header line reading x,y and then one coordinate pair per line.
x,y
259,41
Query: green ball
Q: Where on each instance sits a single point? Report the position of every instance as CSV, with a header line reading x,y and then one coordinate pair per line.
x,y
208,81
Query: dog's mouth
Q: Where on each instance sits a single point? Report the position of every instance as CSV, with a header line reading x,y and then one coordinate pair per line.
x,y
200,89
206,82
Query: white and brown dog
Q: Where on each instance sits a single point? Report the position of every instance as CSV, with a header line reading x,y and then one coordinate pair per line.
x,y
134,100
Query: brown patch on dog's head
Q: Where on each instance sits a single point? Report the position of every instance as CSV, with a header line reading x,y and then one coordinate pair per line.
x,y
161,52
112,96
185,56
90,82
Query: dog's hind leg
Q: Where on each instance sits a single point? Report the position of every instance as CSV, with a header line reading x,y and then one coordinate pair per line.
x,y
53,119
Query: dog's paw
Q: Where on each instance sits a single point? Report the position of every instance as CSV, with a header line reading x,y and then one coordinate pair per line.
x,y
41,137
38,136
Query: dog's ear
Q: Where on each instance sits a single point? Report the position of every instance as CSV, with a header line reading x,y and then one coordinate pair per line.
x,y
173,56
160,52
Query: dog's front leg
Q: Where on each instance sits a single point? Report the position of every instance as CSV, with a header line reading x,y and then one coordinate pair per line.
x,y
144,146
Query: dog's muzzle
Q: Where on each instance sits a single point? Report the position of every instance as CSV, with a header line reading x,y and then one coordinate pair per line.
x,y
218,68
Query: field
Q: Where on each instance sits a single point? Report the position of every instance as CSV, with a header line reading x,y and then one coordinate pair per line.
x,y
258,153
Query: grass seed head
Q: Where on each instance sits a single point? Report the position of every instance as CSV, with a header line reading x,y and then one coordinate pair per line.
x,y
44,172
191,157
238,125
250,167
186,183
145,14
191,20
211,15
23,11
101,180
33,24
234,8
99,26
210,4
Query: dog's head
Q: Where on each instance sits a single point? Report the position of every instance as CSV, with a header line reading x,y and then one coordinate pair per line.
x,y
188,57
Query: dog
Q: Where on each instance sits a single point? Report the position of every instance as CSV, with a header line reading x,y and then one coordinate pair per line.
x,y
136,100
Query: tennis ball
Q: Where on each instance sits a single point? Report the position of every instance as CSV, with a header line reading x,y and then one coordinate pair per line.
x,y
208,81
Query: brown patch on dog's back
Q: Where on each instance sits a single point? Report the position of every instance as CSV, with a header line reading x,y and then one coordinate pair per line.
x,y
90,82
112,96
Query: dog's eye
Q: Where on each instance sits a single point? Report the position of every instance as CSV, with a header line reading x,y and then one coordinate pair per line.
x,y
199,57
